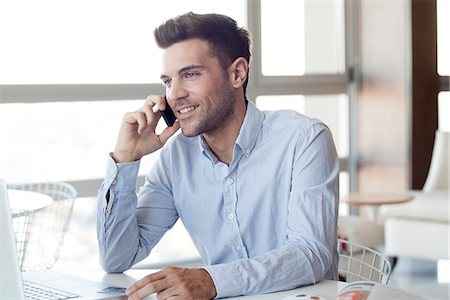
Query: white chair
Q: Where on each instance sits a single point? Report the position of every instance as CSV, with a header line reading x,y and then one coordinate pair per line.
x,y
420,228
44,236
438,178
358,262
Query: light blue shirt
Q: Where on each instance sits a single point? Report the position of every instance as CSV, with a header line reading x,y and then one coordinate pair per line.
x,y
267,222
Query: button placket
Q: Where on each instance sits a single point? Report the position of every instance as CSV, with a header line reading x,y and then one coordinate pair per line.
x,y
230,208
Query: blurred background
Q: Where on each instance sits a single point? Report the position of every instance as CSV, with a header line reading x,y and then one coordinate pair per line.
x,y
376,72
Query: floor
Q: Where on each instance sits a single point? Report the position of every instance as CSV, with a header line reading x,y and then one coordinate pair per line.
x,y
422,278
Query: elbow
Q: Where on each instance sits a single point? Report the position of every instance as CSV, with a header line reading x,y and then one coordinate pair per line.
x,y
323,266
110,265
113,257
113,262
319,259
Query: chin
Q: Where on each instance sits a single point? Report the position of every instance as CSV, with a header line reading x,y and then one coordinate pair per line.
x,y
188,133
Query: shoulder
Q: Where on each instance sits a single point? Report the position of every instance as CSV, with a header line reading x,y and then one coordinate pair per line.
x,y
290,120
179,142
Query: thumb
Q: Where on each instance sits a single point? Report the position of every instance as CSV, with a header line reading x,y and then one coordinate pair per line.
x,y
168,132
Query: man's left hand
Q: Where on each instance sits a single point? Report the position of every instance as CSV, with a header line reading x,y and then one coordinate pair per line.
x,y
174,283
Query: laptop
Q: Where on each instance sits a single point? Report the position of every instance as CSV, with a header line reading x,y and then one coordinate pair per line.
x,y
17,285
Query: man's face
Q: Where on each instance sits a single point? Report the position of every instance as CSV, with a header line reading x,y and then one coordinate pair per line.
x,y
198,89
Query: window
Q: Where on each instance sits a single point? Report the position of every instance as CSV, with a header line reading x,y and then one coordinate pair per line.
x,y
73,68
302,37
90,42
70,69
57,69
444,111
335,116
443,61
61,140
443,34
302,54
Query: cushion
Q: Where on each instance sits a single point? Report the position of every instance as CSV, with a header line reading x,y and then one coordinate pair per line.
x,y
432,206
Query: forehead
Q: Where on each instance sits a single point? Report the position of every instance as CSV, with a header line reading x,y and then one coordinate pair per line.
x,y
187,53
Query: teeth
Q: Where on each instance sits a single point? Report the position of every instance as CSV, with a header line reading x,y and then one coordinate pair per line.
x,y
188,109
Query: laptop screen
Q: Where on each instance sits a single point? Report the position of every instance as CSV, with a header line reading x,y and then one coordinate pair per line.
x,y
10,276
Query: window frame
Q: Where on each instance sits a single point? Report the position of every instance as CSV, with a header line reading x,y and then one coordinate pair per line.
x,y
259,84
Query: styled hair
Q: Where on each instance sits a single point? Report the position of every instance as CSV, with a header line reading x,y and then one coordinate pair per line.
x,y
226,40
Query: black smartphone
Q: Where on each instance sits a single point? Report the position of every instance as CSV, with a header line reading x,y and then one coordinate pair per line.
x,y
168,114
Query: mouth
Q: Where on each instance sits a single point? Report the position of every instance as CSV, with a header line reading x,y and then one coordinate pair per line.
x,y
186,111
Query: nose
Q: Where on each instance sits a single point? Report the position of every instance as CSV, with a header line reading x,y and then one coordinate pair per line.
x,y
176,91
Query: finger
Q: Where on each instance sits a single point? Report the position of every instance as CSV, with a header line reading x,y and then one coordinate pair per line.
x,y
156,102
175,298
144,281
148,289
168,132
136,118
152,114
141,119
168,293
152,107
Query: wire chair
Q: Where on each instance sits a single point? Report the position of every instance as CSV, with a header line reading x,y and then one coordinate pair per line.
x,y
40,234
357,262
21,222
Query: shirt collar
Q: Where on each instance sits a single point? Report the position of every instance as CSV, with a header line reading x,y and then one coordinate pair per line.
x,y
250,129
248,134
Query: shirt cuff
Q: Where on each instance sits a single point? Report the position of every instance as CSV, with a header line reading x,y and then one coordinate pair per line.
x,y
121,176
227,279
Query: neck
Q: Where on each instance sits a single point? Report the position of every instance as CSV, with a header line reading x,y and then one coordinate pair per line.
x,y
221,141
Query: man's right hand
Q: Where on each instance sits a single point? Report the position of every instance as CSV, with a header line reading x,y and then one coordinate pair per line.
x,y
137,136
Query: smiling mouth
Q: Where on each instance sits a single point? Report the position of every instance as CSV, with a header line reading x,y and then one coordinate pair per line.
x,y
187,109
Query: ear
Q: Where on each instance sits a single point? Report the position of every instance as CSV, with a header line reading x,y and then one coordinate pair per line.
x,y
238,72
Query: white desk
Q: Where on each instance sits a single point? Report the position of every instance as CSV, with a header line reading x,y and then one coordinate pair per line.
x,y
325,288
28,201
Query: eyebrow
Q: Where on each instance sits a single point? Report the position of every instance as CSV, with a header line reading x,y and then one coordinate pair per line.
x,y
185,69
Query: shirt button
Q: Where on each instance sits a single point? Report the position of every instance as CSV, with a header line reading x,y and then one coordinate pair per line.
x,y
230,181
238,248
231,216
247,151
114,182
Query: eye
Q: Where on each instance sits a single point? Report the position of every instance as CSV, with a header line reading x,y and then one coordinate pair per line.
x,y
167,82
190,75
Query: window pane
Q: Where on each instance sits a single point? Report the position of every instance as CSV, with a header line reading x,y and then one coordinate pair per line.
x,y
443,39
61,141
87,41
330,109
444,111
302,37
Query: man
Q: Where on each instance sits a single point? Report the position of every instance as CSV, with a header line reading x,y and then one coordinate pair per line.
x,y
257,191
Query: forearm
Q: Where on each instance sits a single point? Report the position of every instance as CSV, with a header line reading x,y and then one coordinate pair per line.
x,y
293,265
117,229
127,228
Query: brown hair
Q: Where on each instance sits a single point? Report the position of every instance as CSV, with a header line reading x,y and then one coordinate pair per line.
x,y
226,40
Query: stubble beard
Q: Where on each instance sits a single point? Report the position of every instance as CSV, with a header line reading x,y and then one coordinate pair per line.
x,y
218,116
